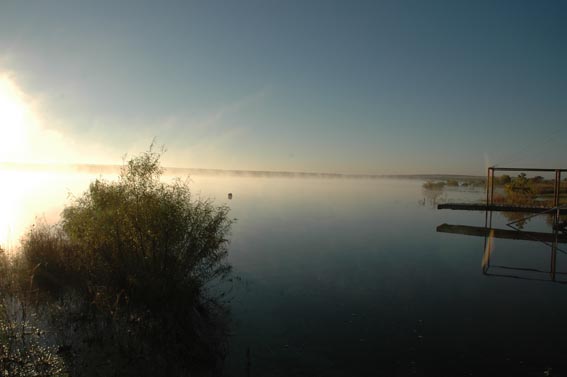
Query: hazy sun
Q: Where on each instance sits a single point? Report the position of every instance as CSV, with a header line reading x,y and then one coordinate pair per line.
x,y
16,119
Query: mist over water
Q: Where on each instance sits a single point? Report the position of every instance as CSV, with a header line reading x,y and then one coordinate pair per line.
x,y
40,193
349,277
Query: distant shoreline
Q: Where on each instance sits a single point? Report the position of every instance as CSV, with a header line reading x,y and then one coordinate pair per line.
x,y
115,169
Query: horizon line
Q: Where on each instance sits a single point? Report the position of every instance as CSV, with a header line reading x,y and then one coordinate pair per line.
x,y
115,168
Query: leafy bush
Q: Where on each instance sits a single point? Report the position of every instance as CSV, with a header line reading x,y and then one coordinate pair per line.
x,y
520,184
503,179
47,260
139,252
138,238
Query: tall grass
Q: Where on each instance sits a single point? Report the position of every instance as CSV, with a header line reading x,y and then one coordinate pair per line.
x,y
23,351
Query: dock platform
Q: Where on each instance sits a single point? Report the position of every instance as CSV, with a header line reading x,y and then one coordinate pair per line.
x,y
498,207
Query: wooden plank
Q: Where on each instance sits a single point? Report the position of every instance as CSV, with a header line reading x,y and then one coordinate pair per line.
x,y
501,233
498,207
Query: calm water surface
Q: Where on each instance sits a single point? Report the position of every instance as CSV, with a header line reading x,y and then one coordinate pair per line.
x,y
350,278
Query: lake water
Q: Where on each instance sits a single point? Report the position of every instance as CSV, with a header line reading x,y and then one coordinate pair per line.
x,y
342,277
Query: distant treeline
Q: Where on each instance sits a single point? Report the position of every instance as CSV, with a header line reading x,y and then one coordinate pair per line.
x,y
111,169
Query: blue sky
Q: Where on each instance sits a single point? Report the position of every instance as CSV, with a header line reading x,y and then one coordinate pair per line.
x,y
333,86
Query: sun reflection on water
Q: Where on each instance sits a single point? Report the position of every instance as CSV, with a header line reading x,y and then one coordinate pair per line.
x,y
488,247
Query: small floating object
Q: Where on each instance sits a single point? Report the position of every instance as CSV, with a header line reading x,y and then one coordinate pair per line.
x,y
230,195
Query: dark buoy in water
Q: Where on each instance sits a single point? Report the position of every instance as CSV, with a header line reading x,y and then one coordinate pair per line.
x,y
230,195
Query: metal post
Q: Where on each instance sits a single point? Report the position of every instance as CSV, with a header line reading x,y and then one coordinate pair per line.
x,y
555,190
487,196
558,193
487,186
492,187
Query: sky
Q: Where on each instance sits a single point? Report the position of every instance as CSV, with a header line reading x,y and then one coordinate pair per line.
x,y
367,87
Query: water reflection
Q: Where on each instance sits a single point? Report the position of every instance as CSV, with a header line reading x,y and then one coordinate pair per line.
x,y
551,240
432,197
526,272
348,277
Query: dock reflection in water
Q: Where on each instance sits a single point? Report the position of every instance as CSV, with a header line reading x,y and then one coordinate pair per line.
x,y
554,242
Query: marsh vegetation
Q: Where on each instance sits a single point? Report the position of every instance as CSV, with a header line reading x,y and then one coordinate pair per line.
x,y
525,190
522,189
451,188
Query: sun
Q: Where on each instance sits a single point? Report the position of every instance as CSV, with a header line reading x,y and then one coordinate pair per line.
x,y
16,119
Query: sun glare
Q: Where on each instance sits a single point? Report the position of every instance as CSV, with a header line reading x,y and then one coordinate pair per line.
x,y
22,203
16,119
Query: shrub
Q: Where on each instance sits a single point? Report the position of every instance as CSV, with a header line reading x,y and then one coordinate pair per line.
x,y
138,239
138,253
503,179
22,350
537,179
520,184
47,260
